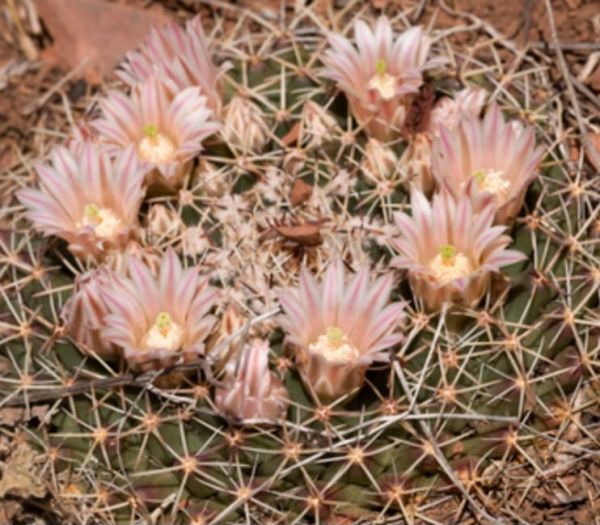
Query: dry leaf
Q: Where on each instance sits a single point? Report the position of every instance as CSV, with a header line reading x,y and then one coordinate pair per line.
x,y
12,415
594,79
301,191
95,31
418,114
20,477
291,137
380,4
269,9
307,234
593,149
9,511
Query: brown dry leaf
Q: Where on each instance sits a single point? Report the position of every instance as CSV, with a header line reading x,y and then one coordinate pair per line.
x,y
573,150
307,234
20,477
418,114
292,135
94,31
268,8
594,142
12,415
379,4
8,158
594,79
9,511
301,191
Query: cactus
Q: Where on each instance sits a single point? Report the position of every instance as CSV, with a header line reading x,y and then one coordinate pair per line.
x,y
457,396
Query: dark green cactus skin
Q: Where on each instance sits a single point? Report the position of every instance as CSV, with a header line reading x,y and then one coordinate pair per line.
x,y
103,439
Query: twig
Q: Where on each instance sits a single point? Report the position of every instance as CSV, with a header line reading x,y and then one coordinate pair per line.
x,y
584,47
36,104
142,380
439,455
593,154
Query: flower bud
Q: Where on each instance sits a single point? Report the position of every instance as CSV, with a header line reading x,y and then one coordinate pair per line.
x,y
317,125
163,221
251,390
244,126
415,164
380,162
83,314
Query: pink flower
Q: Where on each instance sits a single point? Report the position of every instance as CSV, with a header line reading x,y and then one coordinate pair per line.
x,y
492,160
339,327
380,76
165,131
87,199
447,112
84,312
251,390
450,249
180,56
159,321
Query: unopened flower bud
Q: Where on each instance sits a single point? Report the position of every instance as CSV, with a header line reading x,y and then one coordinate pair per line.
x,y
244,126
163,221
380,162
251,390
317,125
83,314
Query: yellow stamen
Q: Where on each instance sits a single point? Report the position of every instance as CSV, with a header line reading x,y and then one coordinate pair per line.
x,y
380,67
450,264
150,131
492,181
92,213
163,323
105,223
335,346
156,146
448,253
479,176
335,335
382,81
164,333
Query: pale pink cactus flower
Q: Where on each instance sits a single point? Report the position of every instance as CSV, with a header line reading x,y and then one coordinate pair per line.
x,y
491,159
380,76
250,390
159,321
87,198
166,131
182,57
450,250
339,327
83,314
448,112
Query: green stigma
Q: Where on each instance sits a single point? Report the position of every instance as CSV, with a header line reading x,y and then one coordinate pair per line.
x,y
163,323
151,131
380,66
479,176
447,252
92,212
334,334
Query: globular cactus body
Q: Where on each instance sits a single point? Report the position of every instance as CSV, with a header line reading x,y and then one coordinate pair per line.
x,y
298,325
